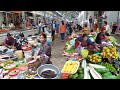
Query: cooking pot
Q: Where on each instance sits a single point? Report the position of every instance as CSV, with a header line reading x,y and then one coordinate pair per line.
x,y
49,67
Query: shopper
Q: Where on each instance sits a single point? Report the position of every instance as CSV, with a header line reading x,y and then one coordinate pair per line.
x,y
83,41
114,27
57,27
101,36
90,21
95,20
108,29
62,30
9,41
53,29
71,30
45,50
100,20
68,28
40,24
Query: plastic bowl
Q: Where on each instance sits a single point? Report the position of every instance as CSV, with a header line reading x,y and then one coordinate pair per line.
x,y
84,53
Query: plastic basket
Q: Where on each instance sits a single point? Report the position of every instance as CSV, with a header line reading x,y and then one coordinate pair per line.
x,y
84,53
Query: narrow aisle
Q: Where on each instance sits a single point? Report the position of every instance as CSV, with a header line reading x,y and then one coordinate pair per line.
x,y
57,51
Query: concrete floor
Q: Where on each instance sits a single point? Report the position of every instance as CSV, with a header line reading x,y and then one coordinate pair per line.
x,y
57,51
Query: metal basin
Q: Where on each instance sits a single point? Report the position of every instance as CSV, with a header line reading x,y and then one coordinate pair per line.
x,y
49,67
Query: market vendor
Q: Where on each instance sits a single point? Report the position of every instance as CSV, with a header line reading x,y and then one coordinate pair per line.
x,y
11,25
21,41
83,41
101,36
45,50
86,30
9,41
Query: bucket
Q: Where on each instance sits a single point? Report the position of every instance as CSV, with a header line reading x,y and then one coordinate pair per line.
x,y
84,53
27,52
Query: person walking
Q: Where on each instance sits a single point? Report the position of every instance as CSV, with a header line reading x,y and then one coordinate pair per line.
x,y
40,25
100,20
62,30
53,30
71,30
90,21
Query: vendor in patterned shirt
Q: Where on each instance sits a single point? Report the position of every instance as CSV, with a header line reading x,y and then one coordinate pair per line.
x,y
83,41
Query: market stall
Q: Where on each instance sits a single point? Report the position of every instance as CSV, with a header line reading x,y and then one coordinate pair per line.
x,y
22,64
85,64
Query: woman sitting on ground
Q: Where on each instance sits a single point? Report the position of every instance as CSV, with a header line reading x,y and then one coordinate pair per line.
x,y
45,50
83,41
9,41
101,36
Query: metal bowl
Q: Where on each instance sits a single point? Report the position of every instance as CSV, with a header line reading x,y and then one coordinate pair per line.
x,y
48,67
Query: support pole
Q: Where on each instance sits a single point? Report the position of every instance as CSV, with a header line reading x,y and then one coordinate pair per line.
x,y
6,19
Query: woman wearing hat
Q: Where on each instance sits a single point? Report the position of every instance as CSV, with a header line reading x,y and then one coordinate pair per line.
x,y
101,36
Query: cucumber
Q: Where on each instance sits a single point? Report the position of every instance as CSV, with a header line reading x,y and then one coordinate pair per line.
x,y
70,76
102,70
80,76
75,76
111,77
107,74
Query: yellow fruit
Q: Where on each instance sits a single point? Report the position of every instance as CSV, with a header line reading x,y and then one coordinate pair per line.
x,y
64,69
69,69
73,70
113,56
99,60
94,58
93,61
90,59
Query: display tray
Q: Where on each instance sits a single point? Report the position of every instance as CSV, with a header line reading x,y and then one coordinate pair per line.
x,y
62,71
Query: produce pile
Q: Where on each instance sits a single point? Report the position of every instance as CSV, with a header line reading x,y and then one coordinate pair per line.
x,y
110,52
95,58
92,71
